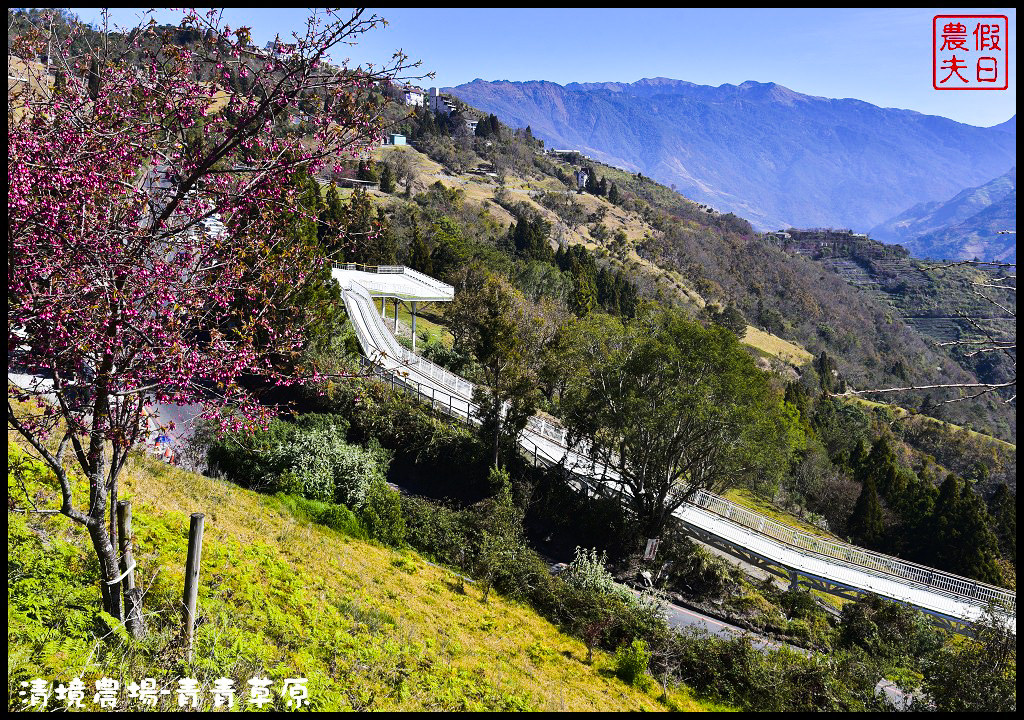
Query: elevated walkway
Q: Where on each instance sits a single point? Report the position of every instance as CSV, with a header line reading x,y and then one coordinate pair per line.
x,y
837,568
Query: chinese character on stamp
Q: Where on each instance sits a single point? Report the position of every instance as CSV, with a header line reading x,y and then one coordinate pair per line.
x,y
970,52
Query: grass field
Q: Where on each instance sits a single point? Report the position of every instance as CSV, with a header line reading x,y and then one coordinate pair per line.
x,y
776,346
369,627
436,331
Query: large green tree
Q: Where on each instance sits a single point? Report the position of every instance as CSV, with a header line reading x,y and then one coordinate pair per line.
x,y
672,407
493,321
963,540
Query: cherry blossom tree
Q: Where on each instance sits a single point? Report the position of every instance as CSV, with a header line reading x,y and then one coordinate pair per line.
x,y
145,176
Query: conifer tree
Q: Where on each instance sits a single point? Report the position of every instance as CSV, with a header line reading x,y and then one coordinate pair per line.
x,y
358,227
387,179
963,541
828,372
419,253
866,523
583,295
1003,507
331,221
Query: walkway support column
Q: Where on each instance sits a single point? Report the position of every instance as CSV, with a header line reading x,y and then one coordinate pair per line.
x,y
414,326
794,581
396,317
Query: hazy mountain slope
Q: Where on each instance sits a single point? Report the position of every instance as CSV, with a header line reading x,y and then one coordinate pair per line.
x,y
963,227
977,237
774,156
1010,126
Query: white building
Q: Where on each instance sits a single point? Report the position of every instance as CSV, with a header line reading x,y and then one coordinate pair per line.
x,y
439,103
280,50
412,96
581,179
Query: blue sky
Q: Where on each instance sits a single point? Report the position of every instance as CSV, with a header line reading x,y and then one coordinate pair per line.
x,y
881,56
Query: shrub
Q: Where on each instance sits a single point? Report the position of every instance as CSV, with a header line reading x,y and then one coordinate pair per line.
x,y
780,680
887,630
341,519
255,461
587,572
337,517
696,572
328,468
381,512
799,604
435,530
631,663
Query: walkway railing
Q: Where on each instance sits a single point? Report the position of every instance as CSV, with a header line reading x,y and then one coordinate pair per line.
x,y
920,574
441,288
453,396
376,338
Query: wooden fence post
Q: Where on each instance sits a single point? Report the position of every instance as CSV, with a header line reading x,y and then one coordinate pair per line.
x,y
195,551
132,595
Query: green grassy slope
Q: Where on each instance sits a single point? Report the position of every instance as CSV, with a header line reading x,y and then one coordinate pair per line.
x,y
370,627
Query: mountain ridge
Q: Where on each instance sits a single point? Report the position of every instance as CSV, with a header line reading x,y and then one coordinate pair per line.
x,y
776,156
963,227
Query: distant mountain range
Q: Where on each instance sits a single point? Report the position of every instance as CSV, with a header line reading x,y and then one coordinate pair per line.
x,y
1009,126
771,155
963,227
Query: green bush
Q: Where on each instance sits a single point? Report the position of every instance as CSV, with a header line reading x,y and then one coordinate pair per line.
x,y
336,517
381,512
341,519
766,680
697,573
799,604
631,662
888,631
435,530
329,469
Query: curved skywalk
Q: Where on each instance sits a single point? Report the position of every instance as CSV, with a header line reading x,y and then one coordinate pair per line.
x,y
819,562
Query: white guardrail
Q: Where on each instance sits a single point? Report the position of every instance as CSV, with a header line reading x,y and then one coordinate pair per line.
x,y
441,290
451,394
376,338
920,574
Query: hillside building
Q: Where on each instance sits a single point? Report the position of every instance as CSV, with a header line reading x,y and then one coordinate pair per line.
x,y
440,103
412,96
581,179
280,50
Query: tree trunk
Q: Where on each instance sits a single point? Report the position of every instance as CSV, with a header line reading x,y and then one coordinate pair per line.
x,y
497,435
108,567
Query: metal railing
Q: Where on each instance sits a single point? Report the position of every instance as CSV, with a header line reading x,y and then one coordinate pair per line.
x,y
919,574
455,399
377,340
442,289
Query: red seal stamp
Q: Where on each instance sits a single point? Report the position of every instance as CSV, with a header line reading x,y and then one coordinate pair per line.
x,y
970,52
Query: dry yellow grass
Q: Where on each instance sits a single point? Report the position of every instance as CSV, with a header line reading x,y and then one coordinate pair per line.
x,y
776,346
507,645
